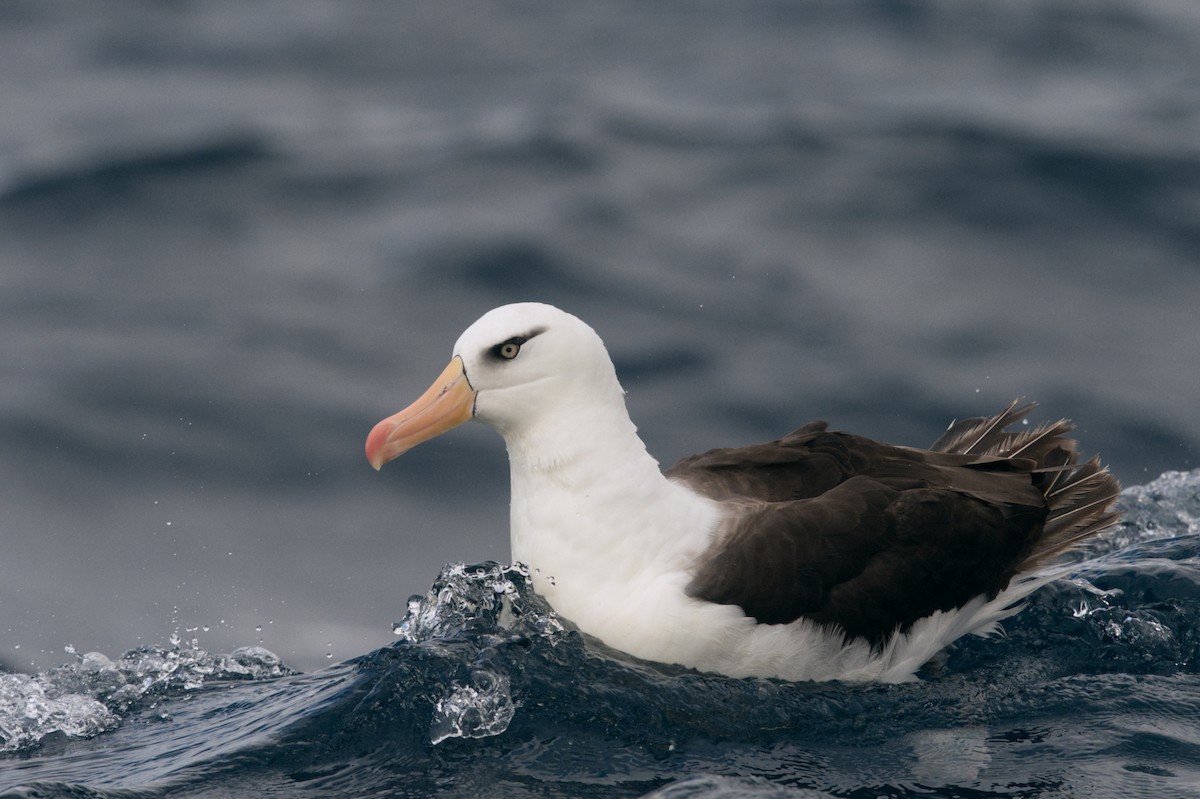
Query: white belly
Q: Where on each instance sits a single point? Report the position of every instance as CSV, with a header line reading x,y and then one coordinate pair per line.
x,y
657,621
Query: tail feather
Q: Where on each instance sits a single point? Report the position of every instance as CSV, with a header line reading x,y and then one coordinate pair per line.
x,y
1058,465
1039,442
1080,503
978,435
1079,496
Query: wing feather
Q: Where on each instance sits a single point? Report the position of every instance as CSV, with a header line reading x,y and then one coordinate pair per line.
x,y
870,537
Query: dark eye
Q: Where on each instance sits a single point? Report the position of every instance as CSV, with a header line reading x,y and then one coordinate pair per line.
x,y
509,349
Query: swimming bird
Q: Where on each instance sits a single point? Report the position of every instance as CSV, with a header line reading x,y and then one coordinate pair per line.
x,y
821,555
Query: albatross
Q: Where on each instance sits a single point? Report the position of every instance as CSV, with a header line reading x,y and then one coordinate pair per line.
x,y
822,555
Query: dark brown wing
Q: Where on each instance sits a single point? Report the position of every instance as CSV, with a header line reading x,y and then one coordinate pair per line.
x,y
811,460
867,558
866,536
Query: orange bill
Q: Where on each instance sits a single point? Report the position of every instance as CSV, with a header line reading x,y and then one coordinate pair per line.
x,y
449,402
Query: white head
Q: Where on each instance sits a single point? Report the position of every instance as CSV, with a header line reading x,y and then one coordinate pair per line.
x,y
524,369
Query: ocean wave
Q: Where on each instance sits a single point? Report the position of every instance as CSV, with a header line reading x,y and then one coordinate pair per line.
x,y
104,175
487,691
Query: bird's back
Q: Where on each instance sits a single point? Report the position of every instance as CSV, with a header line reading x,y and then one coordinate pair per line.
x,y
870,537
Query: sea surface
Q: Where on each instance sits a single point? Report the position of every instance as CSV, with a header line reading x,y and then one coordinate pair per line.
x,y
1093,692
233,236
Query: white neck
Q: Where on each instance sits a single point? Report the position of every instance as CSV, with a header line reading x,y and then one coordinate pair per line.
x,y
595,521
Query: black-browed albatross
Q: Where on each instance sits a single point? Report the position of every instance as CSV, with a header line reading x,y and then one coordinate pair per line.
x,y
819,556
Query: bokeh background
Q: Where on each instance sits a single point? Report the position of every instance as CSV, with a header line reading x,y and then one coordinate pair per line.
x,y
235,235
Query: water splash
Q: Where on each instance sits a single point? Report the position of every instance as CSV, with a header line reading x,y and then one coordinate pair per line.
x,y
1166,507
486,598
31,711
92,694
479,710
465,598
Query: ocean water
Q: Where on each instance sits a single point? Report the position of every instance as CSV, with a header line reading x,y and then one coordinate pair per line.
x,y
1094,691
234,236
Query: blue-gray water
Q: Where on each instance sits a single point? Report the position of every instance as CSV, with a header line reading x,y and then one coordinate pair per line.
x,y
1093,692
232,237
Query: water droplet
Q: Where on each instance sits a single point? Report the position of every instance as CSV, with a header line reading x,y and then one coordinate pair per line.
x,y
329,656
258,628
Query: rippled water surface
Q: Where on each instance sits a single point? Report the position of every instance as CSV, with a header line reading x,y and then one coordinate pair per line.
x,y
1092,692
234,236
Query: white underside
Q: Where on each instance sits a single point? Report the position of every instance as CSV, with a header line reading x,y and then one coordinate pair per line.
x,y
657,621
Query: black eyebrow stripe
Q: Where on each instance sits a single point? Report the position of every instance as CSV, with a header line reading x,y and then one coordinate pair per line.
x,y
518,340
